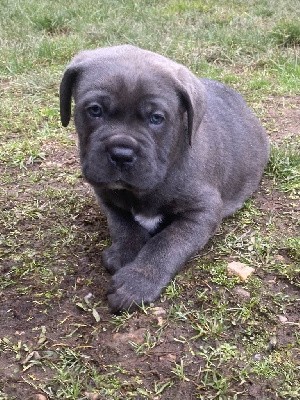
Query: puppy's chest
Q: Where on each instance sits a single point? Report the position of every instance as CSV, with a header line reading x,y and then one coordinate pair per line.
x,y
152,213
153,219
150,223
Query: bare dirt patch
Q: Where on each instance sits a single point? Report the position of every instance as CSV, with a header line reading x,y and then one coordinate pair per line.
x,y
282,117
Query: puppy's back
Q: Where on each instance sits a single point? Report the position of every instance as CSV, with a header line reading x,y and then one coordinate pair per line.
x,y
240,143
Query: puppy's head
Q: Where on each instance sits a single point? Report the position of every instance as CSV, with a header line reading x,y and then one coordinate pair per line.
x,y
135,111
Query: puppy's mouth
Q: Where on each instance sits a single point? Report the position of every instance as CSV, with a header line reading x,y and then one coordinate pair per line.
x,y
119,185
116,185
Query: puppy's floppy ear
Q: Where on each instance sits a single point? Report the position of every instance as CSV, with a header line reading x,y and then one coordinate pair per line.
x,y
192,94
65,93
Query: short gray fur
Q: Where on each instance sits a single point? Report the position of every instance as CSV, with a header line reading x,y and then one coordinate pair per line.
x,y
160,146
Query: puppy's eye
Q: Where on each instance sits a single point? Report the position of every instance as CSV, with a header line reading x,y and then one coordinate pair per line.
x,y
95,111
156,119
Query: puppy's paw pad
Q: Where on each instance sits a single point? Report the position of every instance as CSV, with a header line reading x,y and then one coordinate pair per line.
x,y
130,288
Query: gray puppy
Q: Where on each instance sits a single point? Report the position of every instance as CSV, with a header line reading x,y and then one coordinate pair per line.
x,y
168,155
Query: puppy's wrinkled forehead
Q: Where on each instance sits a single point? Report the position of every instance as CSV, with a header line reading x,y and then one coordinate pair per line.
x,y
132,73
124,81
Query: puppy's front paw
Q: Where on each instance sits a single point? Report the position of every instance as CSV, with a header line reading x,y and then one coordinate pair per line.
x,y
132,286
111,259
116,256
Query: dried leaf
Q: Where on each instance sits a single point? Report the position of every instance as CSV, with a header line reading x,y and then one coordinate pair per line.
x,y
82,306
96,315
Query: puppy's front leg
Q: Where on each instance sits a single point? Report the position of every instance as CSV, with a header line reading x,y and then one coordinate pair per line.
x,y
128,237
142,280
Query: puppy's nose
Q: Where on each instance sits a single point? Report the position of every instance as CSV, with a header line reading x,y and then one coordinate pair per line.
x,y
121,155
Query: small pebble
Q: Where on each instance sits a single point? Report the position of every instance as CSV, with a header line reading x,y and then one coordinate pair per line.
x,y
242,293
272,344
92,396
239,269
282,318
158,311
39,397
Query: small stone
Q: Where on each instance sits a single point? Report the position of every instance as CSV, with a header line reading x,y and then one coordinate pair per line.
x,y
92,396
39,397
272,343
243,271
158,311
242,293
282,318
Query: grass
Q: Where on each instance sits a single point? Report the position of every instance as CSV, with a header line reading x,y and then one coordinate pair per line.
x,y
211,335
284,165
287,33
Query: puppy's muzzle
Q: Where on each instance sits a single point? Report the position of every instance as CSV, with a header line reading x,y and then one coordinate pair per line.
x,y
122,150
121,156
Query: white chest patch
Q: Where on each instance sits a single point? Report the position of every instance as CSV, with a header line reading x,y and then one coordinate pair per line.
x,y
149,223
